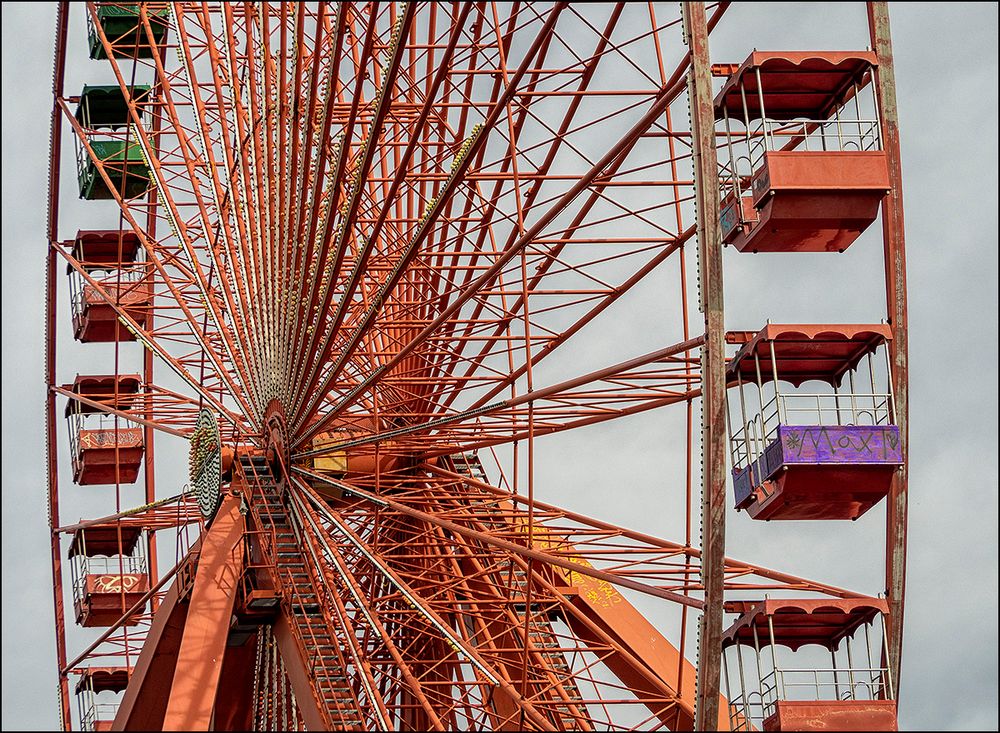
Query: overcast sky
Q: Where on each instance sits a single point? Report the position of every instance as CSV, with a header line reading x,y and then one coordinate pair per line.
x,y
946,71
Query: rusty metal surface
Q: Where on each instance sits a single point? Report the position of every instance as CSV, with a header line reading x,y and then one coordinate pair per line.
x,y
895,276
51,446
845,715
713,367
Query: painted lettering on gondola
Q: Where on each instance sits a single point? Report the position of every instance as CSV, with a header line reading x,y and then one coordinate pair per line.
x,y
125,438
728,219
124,295
842,443
115,583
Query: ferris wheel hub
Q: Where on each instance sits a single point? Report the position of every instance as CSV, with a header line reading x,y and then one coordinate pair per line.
x,y
331,265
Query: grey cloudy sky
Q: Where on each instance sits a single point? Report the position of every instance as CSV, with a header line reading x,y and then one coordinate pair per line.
x,y
946,69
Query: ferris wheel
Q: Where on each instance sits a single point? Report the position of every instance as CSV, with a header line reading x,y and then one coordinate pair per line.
x,y
358,266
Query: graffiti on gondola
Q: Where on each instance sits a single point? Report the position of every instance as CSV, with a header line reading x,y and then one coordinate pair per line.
x,y
123,437
843,443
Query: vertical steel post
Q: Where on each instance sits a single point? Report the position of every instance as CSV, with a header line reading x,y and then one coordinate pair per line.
x,y
149,434
51,444
895,281
713,506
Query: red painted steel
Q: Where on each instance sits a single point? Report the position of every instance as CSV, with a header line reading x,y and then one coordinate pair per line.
x,y
202,650
795,83
108,456
796,622
105,539
104,597
804,352
846,715
94,318
812,171
810,201
373,237
230,711
894,244
116,391
823,492
108,247
145,700
102,679
98,322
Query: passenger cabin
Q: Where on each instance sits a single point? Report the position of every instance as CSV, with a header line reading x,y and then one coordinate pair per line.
x,y
103,112
93,681
109,573
125,30
825,454
803,169
782,681
105,449
110,259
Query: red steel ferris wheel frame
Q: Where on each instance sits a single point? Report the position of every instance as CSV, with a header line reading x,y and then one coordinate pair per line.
x,y
226,363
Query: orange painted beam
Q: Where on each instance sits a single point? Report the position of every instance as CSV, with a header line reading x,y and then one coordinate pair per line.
x,y
234,703
203,645
601,603
145,699
619,619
